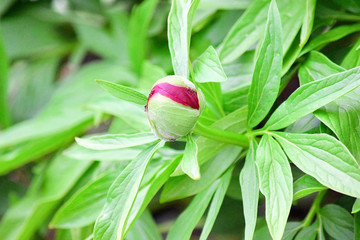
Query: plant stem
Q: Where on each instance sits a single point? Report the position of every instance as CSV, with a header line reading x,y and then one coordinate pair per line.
x,y
221,135
257,132
314,209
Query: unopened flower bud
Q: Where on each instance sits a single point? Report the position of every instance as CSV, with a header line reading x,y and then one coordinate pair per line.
x,y
173,107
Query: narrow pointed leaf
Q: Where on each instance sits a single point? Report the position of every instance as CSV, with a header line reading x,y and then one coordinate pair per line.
x,y
216,203
249,183
267,73
324,158
147,193
308,21
207,67
183,186
342,115
122,92
312,96
46,192
251,24
332,35
111,223
84,206
305,186
179,33
316,67
144,228
116,141
138,32
189,163
186,222
356,206
352,58
275,183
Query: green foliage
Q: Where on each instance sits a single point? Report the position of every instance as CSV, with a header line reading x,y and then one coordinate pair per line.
x,y
78,162
267,72
274,176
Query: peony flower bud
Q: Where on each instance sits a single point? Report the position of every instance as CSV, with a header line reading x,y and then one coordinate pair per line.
x,y
173,107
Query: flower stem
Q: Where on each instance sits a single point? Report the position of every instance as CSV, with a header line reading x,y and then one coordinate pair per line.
x,y
314,209
221,135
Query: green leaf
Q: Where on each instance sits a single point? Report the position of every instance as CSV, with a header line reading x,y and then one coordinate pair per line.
x,y
182,186
338,223
305,186
79,153
38,147
189,162
292,14
356,225
332,35
150,74
46,132
251,24
138,32
147,193
130,113
249,183
42,37
116,141
308,233
324,158
4,108
98,40
236,98
312,96
213,97
304,124
122,92
186,222
208,148
267,73
179,34
46,192
85,205
216,203
240,72
112,221
356,206
352,58
144,228
32,84
317,66
291,230
225,4
341,115
308,21
207,67
275,183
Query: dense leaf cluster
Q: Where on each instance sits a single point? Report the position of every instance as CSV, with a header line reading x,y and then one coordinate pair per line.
x,y
280,129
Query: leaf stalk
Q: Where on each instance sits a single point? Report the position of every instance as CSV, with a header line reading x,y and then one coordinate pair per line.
x,y
221,135
314,209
